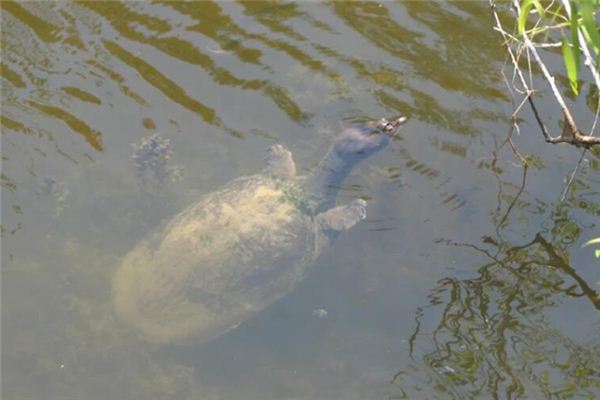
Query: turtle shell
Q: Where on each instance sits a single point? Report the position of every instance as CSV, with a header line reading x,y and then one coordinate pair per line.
x,y
227,256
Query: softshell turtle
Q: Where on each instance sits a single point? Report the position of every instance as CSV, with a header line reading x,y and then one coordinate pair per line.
x,y
237,250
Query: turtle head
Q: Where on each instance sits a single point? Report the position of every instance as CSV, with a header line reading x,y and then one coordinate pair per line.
x,y
361,141
350,147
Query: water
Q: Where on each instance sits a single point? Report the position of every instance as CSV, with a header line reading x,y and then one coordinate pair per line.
x,y
463,282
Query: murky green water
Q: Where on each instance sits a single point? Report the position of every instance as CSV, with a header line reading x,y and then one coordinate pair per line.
x,y
467,280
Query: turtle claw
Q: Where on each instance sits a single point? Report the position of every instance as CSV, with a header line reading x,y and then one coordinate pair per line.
x,y
279,161
343,217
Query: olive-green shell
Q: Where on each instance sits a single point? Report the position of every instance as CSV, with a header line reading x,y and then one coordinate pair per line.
x,y
225,257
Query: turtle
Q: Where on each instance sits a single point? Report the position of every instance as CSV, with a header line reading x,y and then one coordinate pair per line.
x,y
237,250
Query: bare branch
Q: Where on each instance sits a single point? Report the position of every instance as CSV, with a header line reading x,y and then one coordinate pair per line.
x,y
578,140
571,134
549,78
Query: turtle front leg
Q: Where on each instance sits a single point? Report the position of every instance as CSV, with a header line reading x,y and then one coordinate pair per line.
x,y
343,217
279,162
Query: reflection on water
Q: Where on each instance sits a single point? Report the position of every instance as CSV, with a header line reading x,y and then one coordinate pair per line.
x,y
490,334
467,279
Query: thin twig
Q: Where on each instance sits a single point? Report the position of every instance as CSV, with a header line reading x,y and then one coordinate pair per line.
x,y
539,120
593,128
549,78
513,127
572,177
519,73
571,133
536,44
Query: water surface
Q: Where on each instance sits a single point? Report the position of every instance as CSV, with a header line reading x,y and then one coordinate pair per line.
x,y
467,280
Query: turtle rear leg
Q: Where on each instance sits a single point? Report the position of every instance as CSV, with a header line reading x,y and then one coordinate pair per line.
x,y
343,217
279,162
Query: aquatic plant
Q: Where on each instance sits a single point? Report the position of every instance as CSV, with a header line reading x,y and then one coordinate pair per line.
x,y
152,158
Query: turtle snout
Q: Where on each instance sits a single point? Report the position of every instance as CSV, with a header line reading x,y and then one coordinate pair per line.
x,y
392,126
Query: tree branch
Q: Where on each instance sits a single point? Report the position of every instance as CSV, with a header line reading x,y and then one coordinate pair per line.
x,y
571,134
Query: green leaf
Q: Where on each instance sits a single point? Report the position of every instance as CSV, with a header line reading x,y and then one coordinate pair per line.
x,y
525,8
570,64
541,13
593,241
575,35
539,8
589,23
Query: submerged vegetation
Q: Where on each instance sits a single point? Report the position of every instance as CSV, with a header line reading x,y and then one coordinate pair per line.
x,y
152,159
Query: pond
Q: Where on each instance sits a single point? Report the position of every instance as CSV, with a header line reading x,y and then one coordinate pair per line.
x,y
467,279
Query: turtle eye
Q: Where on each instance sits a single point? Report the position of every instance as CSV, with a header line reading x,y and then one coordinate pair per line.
x,y
382,123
